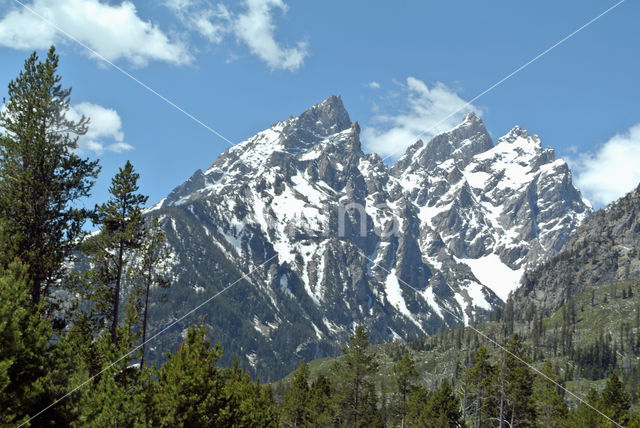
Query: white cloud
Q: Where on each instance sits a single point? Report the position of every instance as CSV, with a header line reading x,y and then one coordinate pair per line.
x,y
105,129
255,28
373,85
612,171
252,26
212,23
412,112
114,31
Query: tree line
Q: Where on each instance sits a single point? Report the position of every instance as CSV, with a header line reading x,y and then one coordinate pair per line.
x,y
493,391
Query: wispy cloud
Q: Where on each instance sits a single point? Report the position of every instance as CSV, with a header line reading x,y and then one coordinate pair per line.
x,y
105,129
612,170
373,85
114,31
211,22
410,111
251,25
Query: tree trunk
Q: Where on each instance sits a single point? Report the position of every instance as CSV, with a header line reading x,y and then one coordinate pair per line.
x,y
478,417
116,296
502,398
144,319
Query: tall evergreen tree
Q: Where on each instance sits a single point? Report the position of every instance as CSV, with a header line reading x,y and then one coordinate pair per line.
x,y
150,273
584,415
122,230
444,408
614,400
321,411
481,379
24,349
354,381
518,386
440,408
405,375
40,174
190,385
250,404
551,409
295,405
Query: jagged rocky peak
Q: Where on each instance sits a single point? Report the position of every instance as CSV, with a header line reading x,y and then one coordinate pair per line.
x,y
459,144
517,133
324,119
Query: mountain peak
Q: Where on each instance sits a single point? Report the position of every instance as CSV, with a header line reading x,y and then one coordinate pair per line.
x,y
471,117
522,137
517,131
326,118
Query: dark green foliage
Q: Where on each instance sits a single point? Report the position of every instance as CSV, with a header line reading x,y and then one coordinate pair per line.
x,y
296,406
190,385
482,388
122,230
438,409
551,409
40,175
355,391
320,405
192,391
405,376
148,273
24,348
585,414
614,400
518,385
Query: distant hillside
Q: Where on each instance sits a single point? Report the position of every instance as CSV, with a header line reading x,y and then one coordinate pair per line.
x,y
604,249
593,334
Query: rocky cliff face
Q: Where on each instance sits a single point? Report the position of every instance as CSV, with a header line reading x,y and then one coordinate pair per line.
x,y
335,238
603,250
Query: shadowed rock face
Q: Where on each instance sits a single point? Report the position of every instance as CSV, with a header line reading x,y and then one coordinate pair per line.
x,y
404,258
603,250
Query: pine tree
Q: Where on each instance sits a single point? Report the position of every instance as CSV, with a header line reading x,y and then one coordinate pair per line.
x,y
551,408
614,400
518,385
121,231
295,405
405,375
321,411
121,396
189,389
443,409
353,379
24,349
249,405
585,415
481,379
40,175
150,273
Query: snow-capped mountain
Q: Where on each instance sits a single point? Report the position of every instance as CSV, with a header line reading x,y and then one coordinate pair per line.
x,y
333,237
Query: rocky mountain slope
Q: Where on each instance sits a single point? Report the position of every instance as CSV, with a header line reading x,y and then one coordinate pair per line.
x,y
604,250
333,236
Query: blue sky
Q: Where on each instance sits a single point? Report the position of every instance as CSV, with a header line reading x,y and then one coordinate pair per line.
x,y
400,67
